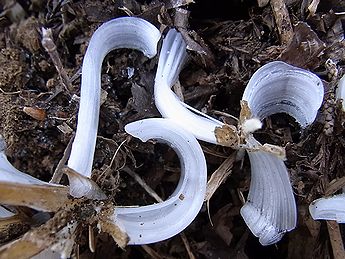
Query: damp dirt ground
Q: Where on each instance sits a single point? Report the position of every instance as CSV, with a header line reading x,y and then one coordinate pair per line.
x,y
227,43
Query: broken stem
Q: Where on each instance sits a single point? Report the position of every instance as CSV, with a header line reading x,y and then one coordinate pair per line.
x,y
58,171
50,47
336,240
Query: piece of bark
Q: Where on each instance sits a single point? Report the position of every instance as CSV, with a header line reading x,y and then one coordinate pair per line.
x,y
282,19
262,3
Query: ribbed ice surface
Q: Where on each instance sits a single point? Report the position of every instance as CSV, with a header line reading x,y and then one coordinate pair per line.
x,y
125,32
172,58
270,210
276,88
153,223
281,88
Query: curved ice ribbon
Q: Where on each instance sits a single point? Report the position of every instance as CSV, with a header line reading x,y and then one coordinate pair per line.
x,y
270,210
153,223
125,32
172,57
276,87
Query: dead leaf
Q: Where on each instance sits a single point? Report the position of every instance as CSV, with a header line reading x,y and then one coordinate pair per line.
x,y
142,100
245,112
227,135
304,48
223,222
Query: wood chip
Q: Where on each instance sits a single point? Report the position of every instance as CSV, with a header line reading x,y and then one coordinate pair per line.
x,y
334,186
36,113
282,19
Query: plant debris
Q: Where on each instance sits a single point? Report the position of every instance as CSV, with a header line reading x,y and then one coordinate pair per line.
x,y
39,96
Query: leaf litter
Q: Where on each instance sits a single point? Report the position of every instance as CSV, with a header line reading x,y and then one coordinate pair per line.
x,y
224,52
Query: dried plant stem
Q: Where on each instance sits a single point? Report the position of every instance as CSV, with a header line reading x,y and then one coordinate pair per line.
x,y
281,15
92,241
58,171
219,176
154,195
151,252
50,47
336,240
335,186
186,244
143,184
9,93
108,169
40,197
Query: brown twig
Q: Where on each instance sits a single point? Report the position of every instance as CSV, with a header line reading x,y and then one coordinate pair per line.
x,y
143,184
186,244
336,240
50,47
58,170
219,176
154,195
151,252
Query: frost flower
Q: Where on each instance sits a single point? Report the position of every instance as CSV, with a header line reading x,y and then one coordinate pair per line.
x,y
270,210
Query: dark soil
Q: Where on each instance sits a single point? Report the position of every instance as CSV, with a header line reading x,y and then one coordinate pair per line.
x,y
238,40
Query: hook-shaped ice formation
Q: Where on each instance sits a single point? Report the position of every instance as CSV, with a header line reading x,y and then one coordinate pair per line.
x,y
153,223
125,32
276,87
